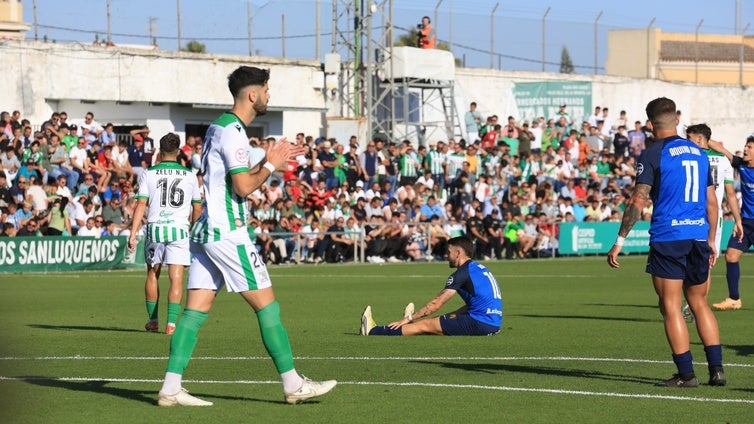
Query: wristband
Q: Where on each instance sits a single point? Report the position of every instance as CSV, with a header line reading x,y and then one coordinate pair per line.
x,y
620,240
270,167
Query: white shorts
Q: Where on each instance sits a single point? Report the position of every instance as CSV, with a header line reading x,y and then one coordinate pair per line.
x,y
719,234
233,262
171,253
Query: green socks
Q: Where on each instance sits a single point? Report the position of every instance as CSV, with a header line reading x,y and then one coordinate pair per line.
x,y
274,337
173,310
152,310
184,340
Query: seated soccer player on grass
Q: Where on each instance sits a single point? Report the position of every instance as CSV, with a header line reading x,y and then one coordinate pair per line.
x,y
482,314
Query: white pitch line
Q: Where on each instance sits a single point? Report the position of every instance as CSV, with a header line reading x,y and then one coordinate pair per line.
x,y
362,358
408,384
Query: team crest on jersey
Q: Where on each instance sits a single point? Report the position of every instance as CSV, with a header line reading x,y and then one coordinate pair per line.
x,y
449,282
241,155
639,168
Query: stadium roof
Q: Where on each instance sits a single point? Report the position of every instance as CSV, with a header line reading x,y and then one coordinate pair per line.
x,y
682,51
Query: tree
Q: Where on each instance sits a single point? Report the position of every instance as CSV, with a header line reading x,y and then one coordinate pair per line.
x,y
194,46
566,64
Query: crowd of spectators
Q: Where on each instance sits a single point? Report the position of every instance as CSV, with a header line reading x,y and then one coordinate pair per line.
x,y
508,189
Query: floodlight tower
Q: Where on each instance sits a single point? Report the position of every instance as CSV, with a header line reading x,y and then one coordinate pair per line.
x,y
369,84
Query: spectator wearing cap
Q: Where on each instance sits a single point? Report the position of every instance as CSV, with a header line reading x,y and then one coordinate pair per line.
x,y
561,113
493,228
143,133
536,133
69,136
524,139
137,155
88,135
352,163
328,162
510,139
359,209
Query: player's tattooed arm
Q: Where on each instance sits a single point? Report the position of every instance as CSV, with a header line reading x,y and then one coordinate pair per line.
x,y
435,304
633,211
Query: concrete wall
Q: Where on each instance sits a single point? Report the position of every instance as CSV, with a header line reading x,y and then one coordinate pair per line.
x,y
727,109
38,78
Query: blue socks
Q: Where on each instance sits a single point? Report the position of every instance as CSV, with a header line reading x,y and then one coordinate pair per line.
x,y
685,365
714,355
384,330
733,274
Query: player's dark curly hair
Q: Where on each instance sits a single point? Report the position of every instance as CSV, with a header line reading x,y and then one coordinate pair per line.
x,y
245,76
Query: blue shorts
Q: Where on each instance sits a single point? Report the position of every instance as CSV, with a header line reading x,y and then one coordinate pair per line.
x,y
686,260
465,325
748,239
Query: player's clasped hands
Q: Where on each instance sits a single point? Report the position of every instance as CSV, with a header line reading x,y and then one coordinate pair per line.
x,y
282,151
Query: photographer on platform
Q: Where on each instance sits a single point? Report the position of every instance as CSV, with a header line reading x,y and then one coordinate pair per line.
x,y
426,39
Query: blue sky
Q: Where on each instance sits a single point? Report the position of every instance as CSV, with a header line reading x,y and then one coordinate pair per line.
x,y
222,25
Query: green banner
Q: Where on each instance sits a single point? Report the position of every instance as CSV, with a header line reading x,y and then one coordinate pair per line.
x,y
583,238
55,253
535,99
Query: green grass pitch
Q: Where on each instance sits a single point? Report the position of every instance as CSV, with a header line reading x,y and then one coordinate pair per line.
x,y
581,343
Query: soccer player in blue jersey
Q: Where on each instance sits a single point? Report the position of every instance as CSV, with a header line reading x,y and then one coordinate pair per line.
x,y
675,174
482,315
738,245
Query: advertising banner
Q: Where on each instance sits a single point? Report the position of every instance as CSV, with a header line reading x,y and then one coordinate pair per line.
x,y
54,254
535,99
584,238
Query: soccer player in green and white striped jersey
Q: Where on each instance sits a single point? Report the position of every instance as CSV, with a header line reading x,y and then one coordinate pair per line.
x,y
224,254
169,194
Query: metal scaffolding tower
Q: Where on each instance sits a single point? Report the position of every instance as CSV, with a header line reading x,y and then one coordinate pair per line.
x,y
417,109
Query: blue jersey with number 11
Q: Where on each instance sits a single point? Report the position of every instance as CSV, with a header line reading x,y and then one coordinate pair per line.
x,y
679,173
